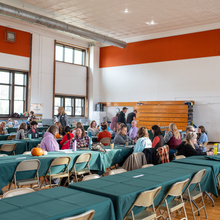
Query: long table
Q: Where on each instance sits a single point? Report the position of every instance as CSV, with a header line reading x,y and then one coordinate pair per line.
x,y
123,188
14,130
56,203
99,161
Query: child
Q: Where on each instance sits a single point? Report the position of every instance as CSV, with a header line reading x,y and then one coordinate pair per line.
x,y
33,131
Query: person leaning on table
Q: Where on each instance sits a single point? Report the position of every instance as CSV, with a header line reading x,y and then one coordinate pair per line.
x,y
122,137
21,131
187,147
49,142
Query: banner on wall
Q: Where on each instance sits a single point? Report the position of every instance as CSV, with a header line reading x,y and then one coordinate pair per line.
x,y
38,111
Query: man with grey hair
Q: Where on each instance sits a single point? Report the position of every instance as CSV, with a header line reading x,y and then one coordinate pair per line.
x,y
133,130
190,128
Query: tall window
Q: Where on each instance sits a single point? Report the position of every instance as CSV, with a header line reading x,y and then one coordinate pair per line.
x,y
74,106
70,54
13,92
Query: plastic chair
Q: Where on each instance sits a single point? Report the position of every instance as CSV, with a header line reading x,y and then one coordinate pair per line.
x,y
105,141
145,199
192,195
91,177
59,161
27,152
177,201
117,171
179,157
85,216
147,165
17,192
83,158
3,155
10,137
8,148
26,165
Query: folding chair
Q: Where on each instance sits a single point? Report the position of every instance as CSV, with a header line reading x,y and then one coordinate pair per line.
x,y
27,152
117,171
179,157
17,192
105,141
8,148
85,216
59,161
145,199
192,195
26,165
83,158
177,201
147,165
205,144
10,137
91,177
3,155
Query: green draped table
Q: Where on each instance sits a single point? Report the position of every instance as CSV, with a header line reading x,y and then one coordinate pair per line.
x,y
21,146
99,161
54,204
11,130
4,137
124,188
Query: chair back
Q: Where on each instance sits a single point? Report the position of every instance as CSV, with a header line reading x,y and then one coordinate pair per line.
x,y
10,137
28,165
8,148
179,157
85,216
17,192
3,155
105,140
146,198
60,161
117,171
177,188
27,152
198,177
205,144
147,165
83,158
91,177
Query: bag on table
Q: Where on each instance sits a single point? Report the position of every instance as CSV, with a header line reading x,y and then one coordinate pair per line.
x,y
98,147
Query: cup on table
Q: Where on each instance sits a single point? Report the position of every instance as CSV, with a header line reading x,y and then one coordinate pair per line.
x,y
29,136
112,145
126,143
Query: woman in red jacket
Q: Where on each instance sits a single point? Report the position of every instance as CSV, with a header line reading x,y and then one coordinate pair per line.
x,y
68,135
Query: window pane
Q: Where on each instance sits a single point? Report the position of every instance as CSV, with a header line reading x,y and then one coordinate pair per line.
x,y
4,92
20,79
78,111
4,77
68,110
4,107
59,53
68,55
55,110
78,57
57,102
19,93
78,102
68,102
19,106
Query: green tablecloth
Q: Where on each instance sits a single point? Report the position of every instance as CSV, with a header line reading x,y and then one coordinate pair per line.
x,y
99,161
40,129
4,137
123,188
54,204
11,130
20,148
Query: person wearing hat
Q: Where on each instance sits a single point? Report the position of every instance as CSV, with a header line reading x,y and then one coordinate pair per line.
x,y
121,117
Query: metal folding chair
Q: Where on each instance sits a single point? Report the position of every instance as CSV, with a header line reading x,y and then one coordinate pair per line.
x,y
91,177
17,192
147,165
117,171
85,216
8,148
105,141
179,157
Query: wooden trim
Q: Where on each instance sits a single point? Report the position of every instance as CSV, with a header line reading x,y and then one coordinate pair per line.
x,y
118,103
161,119
163,115
29,76
54,76
69,95
87,93
145,108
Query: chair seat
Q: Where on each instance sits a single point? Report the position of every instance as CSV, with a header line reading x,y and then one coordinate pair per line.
x,y
194,194
81,172
58,175
27,181
144,215
173,205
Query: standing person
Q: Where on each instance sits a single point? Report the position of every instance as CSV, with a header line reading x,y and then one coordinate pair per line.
x,y
62,117
21,131
133,131
82,140
122,137
104,133
131,117
121,117
158,137
93,129
33,131
114,122
203,136
32,116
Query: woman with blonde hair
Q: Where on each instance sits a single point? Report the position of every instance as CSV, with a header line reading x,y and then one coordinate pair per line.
x,y
143,140
21,130
172,138
62,117
93,129
187,148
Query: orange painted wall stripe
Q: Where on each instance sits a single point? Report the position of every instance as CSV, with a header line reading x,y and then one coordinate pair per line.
x,y
187,46
20,47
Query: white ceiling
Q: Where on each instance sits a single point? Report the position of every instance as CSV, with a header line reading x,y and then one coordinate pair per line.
x,y
107,17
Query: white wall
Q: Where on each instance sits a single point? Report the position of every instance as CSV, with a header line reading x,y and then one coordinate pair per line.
x,y
191,79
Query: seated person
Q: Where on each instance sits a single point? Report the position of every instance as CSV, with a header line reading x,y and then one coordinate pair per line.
x,y
81,139
68,135
158,137
118,129
3,129
93,129
187,148
104,133
10,123
49,142
108,128
122,137
202,135
60,128
78,124
172,138
21,131
143,140
33,131
133,130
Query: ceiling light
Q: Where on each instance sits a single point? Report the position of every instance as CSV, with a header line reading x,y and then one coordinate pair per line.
x,y
152,22
126,10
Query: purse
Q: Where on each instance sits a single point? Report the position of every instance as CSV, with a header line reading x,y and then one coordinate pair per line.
x,y
98,147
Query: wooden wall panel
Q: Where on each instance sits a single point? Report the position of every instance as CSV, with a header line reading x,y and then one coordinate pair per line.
x,y
168,115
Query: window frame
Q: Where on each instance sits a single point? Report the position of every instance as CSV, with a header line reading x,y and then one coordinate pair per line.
x,y
73,107
12,85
